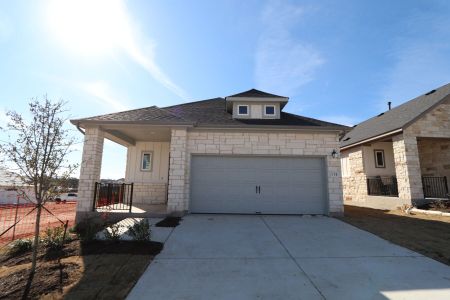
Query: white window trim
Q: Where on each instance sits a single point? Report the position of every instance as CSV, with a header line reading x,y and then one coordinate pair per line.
x,y
142,160
375,151
274,110
248,110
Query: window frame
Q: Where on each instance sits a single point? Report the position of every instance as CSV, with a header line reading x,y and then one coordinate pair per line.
x,y
376,151
150,169
243,105
274,110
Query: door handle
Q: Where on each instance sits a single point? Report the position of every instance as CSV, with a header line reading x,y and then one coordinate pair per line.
x,y
256,191
259,189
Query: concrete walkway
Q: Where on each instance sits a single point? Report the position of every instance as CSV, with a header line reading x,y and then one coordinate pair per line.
x,y
286,257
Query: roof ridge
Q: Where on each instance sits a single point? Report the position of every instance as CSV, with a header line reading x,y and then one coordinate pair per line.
x,y
187,103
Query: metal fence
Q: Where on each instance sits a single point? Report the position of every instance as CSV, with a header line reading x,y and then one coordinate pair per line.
x,y
113,196
382,186
18,220
435,187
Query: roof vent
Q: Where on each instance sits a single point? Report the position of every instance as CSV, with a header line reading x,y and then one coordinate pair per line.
x,y
346,139
380,115
389,105
430,92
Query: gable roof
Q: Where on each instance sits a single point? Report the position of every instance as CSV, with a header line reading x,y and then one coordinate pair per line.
x,y
257,94
204,113
396,118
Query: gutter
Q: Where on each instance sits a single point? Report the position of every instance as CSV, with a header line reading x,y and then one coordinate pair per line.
x,y
79,128
373,138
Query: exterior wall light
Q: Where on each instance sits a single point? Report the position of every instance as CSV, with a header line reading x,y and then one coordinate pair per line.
x,y
334,154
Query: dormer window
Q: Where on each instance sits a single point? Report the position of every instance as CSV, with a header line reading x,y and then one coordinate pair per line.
x,y
269,110
243,110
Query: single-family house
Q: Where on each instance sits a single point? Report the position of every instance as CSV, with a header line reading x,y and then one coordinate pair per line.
x,y
238,154
401,156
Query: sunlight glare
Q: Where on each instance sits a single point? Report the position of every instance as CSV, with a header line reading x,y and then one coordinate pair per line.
x,y
88,27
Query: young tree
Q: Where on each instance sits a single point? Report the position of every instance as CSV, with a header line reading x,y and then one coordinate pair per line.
x,y
36,153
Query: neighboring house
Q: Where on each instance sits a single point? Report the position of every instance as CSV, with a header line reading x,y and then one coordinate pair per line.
x,y
401,156
239,154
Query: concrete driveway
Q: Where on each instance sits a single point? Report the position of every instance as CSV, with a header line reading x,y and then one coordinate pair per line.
x,y
286,257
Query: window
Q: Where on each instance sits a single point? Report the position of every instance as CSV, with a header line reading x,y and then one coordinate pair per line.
x,y
269,110
379,159
146,161
243,110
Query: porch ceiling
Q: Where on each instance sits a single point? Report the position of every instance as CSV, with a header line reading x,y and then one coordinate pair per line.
x,y
128,135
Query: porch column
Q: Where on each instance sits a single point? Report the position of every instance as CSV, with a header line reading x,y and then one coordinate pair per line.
x,y
407,168
90,169
177,195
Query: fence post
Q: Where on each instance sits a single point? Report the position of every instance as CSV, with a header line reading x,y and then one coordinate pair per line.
x,y
131,196
65,230
95,197
15,219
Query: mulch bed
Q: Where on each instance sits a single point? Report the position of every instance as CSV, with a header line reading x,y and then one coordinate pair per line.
x,y
57,269
169,222
443,206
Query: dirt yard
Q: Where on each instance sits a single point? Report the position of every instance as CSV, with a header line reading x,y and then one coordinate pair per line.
x,y
94,270
425,234
9,214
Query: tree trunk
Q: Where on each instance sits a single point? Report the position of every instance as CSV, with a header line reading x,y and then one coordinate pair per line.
x,y
35,251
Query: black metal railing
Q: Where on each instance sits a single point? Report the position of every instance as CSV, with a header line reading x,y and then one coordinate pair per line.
x,y
382,186
435,187
116,196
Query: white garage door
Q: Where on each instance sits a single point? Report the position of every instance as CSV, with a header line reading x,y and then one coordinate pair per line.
x,y
267,185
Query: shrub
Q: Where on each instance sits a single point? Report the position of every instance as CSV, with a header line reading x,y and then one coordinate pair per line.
x,y
54,237
20,246
87,230
140,231
113,232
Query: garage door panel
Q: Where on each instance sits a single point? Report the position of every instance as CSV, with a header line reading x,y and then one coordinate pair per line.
x,y
226,184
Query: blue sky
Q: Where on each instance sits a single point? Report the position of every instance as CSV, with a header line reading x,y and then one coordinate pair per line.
x,y
339,61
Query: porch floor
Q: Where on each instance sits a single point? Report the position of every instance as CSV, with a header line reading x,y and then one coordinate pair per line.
x,y
135,209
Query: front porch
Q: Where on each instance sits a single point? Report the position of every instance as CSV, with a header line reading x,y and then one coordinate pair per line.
x,y
398,170
144,189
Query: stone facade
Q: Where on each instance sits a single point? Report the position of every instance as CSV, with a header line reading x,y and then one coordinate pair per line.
x,y
434,157
176,199
149,193
185,143
354,183
90,169
421,149
407,167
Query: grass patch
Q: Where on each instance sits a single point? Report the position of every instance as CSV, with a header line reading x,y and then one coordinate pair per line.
x,y
425,234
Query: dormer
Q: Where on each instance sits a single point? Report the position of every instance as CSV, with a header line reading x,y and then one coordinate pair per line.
x,y
255,104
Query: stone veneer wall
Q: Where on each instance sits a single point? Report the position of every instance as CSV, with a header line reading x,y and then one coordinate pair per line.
x,y
407,167
176,199
149,193
435,157
354,185
184,143
91,164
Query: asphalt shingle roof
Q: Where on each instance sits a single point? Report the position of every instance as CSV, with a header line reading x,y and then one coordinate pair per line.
x,y
210,112
396,118
256,93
